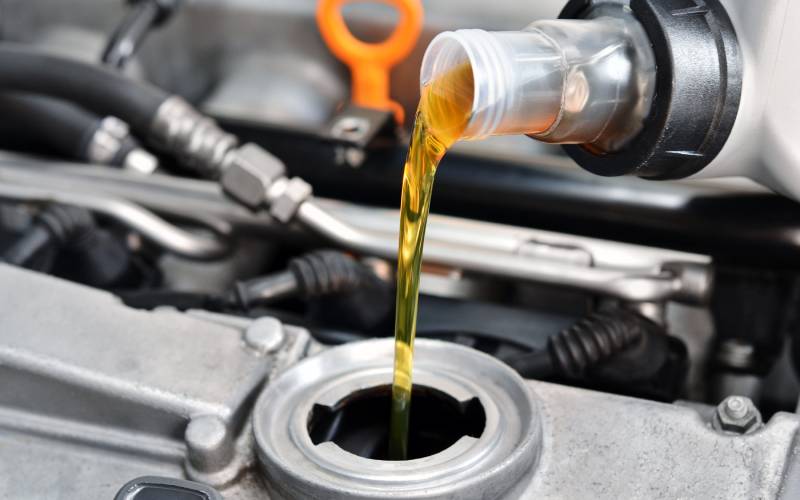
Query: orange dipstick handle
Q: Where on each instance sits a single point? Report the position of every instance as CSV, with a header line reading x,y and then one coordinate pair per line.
x,y
370,62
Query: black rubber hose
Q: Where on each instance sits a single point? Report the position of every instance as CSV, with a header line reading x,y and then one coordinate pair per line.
x,y
315,274
30,245
329,272
585,344
100,90
67,129
143,16
54,227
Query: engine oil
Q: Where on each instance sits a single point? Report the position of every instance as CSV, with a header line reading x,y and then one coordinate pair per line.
x,y
442,116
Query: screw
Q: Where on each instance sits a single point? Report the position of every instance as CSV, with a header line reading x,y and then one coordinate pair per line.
x,y
737,415
264,335
351,128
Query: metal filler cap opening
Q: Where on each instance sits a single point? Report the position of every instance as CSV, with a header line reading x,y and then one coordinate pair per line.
x,y
358,423
495,441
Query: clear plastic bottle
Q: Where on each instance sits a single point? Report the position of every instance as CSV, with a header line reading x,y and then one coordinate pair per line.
x,y
563,81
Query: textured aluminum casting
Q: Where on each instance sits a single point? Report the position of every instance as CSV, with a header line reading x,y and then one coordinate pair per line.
x,y
93,394
472,468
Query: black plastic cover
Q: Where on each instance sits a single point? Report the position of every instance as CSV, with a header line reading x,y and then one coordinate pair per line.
x,y
698,88
164,488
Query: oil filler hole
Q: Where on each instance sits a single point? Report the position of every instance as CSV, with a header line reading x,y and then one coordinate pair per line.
x,y
359,423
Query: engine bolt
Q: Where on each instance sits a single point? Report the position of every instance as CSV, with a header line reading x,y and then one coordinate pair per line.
x,y
737,415
264,335
209,446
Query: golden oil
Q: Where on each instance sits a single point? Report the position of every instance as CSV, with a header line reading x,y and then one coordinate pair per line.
x,y
442,115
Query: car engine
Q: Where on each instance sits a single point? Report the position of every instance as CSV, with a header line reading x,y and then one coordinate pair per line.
x,y
199,209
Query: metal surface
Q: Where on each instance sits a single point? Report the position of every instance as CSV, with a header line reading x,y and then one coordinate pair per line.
x,y
139,363
287,197
208,444
635,285
94,394
264,335
602,446
140,161
278,87
472,468
625,271
249,174
170,237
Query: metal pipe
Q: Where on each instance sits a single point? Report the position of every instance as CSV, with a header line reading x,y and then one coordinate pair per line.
x,y
152,227
630,285
629,272
268,289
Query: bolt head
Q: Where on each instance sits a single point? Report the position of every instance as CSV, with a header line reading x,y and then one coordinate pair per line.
x,y
208,443
737,415
264,335
250,173
206,434
352,128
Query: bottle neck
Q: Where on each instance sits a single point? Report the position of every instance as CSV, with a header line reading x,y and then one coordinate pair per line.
x,y
562,81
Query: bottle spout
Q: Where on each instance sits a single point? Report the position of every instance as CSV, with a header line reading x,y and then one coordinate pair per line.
x,y
563,81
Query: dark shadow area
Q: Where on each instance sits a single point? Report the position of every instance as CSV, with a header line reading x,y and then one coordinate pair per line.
x,y
359,424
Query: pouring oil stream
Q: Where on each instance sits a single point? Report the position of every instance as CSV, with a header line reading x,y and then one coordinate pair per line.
x,y
442,116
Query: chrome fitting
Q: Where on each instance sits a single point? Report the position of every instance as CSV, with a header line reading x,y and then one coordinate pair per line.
x,y
488,464
194,139
250,172
113,144
285,197
107,141
140,161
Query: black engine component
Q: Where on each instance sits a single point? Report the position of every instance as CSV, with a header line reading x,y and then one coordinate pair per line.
x,y
595,339
165,488
616,349
66,241
35,122
754,309
585,344
340,291
315,274
53,228
97,89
